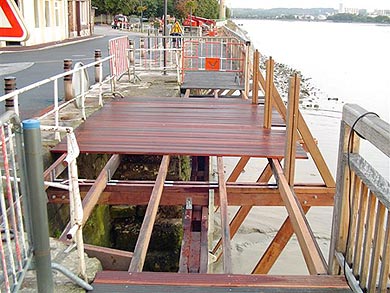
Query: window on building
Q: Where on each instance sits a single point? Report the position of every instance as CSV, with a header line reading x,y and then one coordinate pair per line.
x,y
84,13
36,13
47,13
57,12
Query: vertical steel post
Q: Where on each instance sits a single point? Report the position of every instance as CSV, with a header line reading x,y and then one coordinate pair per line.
x,y
37,200
165,34
68,80
98,57
9,86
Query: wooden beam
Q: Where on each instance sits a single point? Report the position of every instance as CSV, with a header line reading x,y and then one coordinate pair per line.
x,y
187,93
256,68
310,249
243,211
186,241
292,125
142,245
269,89
238,169
55,169
175,193
204,248
276,246
226,244
92,197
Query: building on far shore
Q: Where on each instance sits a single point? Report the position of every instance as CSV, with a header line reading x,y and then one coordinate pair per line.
x,y
53,20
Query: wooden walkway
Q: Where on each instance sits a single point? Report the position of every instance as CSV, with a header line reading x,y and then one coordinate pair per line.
x,y
212,80
197,127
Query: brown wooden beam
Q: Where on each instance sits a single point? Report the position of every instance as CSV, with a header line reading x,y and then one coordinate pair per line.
x,y
145,233
92,197
204,248
314,259
276,247
238,169
225,230
176,193
55,169
186,241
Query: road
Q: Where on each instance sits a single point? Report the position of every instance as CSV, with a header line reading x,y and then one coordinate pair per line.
x,y
29,66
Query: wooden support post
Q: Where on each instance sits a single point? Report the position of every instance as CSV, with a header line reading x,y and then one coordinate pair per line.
x,y
187,93
93,195
269,88
238,169
226,244
68,80
244,210
186,241
142,245
305,134
310,249
292,125
246,70
276,247
255,84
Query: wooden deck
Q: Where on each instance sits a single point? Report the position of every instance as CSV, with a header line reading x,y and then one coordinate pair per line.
x,y
212,80
117,281
197,127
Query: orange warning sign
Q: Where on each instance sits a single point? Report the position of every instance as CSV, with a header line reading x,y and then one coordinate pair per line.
x,y
213,64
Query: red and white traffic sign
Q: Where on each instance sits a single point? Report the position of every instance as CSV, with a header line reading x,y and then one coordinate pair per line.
x,y
12,27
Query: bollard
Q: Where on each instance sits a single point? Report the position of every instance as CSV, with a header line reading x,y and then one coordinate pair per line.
x,y
98,71
68,80
131,51
9,86
37,199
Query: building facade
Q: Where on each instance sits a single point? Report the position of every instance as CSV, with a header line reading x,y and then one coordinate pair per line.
x,y
54,20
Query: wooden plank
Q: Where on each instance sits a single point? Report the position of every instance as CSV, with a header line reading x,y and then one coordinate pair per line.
x,y
228,282
377,247
269,96
226,244
360,230
187,93
256,68
141,247
243,211
355,194
311,252
175,193
94,193
292,125
55,169
238,169
204,247
110,259
385,267
276,246
368,240
186,241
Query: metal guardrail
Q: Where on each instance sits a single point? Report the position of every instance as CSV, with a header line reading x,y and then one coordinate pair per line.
x,y
15,246
361,223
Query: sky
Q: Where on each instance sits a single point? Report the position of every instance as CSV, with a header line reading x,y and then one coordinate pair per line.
x,y
362,4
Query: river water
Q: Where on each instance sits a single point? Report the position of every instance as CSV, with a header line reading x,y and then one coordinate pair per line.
x,y
346,61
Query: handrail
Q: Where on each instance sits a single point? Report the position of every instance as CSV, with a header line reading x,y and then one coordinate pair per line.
x,y
361,219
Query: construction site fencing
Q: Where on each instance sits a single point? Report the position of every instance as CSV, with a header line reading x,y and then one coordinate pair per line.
x,y
226,54
361,223
15,246
117,48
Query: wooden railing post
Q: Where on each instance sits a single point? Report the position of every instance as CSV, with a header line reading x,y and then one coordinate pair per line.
x,y
246,68
255,84
68,80
292,128
269,84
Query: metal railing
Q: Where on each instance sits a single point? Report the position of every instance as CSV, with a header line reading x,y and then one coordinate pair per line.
x,y
15,245
79,99
361,223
